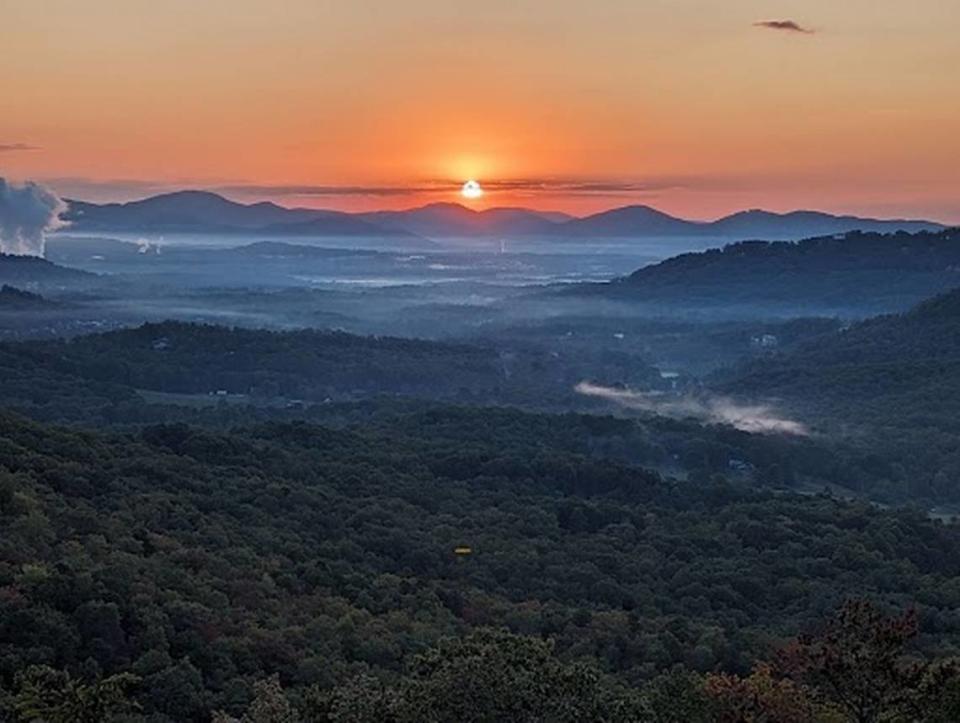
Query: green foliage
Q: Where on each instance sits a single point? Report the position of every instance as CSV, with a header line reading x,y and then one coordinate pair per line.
x,y
46,695
484,677
202,561
857,668
853,274
678,695
269,706
307,366
858,665
888,387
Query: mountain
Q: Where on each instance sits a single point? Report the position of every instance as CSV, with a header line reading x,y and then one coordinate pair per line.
x,y
890,385
758,224
183,210
631,221
33,270
453,220
556,216
203,212
645,221
854,274
14,299
881,351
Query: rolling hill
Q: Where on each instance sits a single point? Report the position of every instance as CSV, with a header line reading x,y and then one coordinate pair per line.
x,y
22,271
890,384
855,274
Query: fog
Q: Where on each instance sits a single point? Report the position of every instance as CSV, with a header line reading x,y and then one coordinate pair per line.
x,y
705,407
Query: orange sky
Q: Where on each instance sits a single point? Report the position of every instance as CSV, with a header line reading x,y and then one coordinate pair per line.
x,y
687,105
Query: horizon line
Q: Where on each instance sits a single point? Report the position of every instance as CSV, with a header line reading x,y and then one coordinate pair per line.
x,y
220,192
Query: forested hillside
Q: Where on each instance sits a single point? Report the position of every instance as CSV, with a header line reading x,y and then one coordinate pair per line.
x,y
201,562
135,377
853,274
316,366
20,271
892,382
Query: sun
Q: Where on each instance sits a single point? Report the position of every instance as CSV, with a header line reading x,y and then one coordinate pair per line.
x,y
471,189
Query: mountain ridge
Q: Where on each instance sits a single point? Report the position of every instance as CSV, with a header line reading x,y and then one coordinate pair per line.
x,y
853,274
205,211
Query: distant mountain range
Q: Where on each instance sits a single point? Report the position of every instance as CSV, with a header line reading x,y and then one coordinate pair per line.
x,y
200,211
204,212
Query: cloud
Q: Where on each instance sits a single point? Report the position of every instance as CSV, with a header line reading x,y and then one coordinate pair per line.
x,y
12,147
27,212
758,418
529,186
789,26
322,190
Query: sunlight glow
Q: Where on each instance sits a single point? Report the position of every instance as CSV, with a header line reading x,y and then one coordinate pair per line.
x,y
472,190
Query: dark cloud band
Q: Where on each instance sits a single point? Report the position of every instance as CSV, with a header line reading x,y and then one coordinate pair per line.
x,y
790,26
524,186
13,147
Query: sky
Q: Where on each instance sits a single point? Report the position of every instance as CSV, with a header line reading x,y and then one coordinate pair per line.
x,y
697,107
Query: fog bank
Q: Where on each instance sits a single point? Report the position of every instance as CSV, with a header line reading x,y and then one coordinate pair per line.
x,y
709,408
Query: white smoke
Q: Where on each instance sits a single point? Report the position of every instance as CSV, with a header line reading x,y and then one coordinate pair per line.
x,y
718,410
27,212
145,246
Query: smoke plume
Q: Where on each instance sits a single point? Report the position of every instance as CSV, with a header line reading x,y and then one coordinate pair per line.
x,y
716,410
27,212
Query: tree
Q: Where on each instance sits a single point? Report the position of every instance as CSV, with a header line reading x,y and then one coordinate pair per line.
x,y
761,697
678,696
270,705
487,676
53,696
858,664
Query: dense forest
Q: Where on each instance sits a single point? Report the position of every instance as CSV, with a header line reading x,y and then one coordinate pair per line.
x,y
218,377
14,299
208,523
20,270
890,384
177,568
315,366
853,274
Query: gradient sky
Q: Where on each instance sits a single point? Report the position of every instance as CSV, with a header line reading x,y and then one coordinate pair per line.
x,y
688,105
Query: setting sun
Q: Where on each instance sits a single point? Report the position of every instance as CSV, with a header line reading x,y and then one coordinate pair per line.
x,y
471,190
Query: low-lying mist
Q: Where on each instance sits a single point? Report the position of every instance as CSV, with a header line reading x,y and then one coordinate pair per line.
x,y
708,408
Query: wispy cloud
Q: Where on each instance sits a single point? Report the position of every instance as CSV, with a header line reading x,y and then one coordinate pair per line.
x,y
790,26
587,186
758,419
530,186
12,147
304,190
